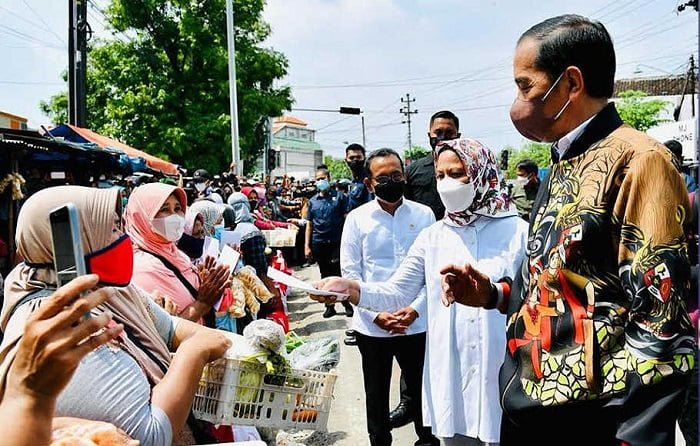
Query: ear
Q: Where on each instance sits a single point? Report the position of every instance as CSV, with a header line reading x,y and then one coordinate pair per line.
x,y
368,184
577,86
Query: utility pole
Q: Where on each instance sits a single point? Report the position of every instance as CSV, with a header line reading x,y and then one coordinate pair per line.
x,y
233,96
691,73
407,112
79,32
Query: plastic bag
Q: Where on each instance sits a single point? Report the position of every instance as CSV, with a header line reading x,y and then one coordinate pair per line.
x,y
320,354
267,335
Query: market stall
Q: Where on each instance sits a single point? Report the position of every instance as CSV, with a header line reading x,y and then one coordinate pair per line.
x,y
30,161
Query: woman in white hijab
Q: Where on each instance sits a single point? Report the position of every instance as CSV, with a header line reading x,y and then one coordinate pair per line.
x,y
465,345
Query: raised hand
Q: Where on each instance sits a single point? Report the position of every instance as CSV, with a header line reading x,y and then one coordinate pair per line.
x,y
467,286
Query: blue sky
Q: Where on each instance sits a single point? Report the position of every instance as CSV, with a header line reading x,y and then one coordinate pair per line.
x,y
449,54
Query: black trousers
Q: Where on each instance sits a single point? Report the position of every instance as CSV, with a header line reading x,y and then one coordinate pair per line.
x,y
377,360
327,255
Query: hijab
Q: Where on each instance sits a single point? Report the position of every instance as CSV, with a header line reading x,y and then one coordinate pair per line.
x,y
96,210
491,198
244,220
191,217
211,212
144,203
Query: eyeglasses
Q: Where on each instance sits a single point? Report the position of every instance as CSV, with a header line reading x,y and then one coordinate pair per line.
x,y
396,177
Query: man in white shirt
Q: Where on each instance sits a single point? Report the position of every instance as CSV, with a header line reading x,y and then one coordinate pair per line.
x,y
376,238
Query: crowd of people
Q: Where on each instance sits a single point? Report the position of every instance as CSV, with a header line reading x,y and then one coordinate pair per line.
x,y
555,310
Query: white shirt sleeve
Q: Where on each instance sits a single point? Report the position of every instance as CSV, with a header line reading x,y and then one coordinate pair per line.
x,y
408,280
351,253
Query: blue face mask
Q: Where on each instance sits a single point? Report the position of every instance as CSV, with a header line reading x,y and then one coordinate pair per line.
x,y
323,185
218,231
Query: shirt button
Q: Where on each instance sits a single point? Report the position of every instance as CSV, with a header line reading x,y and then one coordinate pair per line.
x,y
473,346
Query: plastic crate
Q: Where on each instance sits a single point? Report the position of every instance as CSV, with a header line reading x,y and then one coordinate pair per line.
x,y
280,237
242,393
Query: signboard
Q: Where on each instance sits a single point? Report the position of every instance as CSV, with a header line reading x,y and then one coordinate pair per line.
x,y
683,132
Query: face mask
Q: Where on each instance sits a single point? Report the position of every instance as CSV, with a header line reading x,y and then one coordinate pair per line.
x,y
171,228
253,204
218,231
323,185
390,192
528,116
357,167
521,181
200,186
114,264
125,200
455,195
437,139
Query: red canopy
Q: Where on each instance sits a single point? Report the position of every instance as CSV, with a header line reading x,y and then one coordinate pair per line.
x,y
153,162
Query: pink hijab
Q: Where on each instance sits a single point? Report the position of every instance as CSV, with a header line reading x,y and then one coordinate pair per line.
x,y
149,272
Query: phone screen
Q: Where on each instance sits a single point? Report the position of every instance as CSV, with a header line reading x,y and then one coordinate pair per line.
x,y
67,245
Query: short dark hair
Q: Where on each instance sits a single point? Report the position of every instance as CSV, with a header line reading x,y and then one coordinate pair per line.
x,y
573,40
382,153
323,168
528,166
355,147
445,114
675,147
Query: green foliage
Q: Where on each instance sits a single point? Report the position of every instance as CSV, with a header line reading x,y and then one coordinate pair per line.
x,y
539,153
337,167
638,111
166,90
415,153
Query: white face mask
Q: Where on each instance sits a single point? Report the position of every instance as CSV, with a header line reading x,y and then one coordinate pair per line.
x,y
520,181
455,195
171,227
200,186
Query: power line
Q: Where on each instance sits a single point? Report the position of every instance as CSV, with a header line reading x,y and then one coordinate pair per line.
x,y
22,35
46,25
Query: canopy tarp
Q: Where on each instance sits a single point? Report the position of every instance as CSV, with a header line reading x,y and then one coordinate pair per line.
x,y
81,135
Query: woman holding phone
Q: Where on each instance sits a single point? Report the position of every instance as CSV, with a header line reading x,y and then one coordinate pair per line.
x,y
131,382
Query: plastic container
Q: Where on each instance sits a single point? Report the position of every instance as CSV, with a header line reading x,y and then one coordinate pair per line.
x,y
238,392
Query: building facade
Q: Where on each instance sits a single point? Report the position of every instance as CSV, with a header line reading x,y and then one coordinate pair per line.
x,y
297,152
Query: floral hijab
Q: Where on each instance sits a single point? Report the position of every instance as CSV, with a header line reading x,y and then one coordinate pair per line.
x,y
492,198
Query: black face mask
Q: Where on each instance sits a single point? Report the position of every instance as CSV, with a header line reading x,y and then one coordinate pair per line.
x,y
390,192
435,140
357,167
253,204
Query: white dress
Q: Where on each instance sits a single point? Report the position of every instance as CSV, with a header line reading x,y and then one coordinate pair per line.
x,y
465,345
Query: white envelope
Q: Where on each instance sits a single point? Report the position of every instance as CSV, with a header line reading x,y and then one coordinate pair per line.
x,y
293,282
230,238
229,257
211,247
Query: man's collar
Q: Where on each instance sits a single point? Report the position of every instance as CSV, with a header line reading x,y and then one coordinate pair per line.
x,y
565,142
600,126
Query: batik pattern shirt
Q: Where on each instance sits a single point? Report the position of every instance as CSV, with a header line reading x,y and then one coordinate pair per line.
x,y
598,310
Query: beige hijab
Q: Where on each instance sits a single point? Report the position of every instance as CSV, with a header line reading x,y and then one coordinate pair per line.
x,y
96,212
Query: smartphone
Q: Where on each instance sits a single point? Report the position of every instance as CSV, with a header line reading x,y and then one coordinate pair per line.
x,y
69,260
